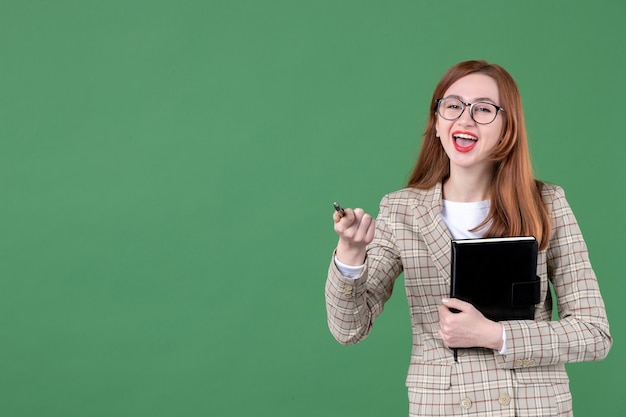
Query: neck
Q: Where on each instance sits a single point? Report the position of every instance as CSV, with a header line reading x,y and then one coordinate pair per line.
x,y
466,187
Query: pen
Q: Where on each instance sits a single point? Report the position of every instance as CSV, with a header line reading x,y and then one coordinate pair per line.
x,y
339,209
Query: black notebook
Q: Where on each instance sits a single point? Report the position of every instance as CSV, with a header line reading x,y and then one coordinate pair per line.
x,y
498,276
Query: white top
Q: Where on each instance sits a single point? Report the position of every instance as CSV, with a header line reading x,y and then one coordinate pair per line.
x,y
463,217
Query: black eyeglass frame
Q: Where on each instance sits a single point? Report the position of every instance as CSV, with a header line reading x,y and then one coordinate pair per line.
x,y
471,109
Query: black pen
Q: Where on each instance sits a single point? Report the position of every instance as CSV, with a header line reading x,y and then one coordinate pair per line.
x,y
339,209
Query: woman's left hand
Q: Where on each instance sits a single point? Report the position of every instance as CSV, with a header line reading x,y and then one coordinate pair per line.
x,y
467,328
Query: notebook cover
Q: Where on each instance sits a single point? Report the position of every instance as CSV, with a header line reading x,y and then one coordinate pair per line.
x,y
498,276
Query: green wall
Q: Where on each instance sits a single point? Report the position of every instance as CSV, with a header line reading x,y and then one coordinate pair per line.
x,y
167,170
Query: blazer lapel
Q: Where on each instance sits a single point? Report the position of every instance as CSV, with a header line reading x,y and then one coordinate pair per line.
x,y
434,230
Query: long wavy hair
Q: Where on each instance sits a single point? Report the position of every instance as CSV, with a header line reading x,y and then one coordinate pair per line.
x,y
517,208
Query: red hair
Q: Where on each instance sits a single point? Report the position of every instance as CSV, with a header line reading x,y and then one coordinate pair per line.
x,y
517,208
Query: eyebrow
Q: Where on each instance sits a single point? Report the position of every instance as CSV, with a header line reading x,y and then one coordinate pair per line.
x,y
475,100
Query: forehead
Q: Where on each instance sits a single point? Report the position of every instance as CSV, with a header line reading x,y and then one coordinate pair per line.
x,y
474,87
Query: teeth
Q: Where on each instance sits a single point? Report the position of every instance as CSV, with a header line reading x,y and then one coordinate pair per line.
x,y
464,136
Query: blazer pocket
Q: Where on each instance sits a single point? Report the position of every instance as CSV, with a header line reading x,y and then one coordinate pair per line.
x,y
542,375
428,376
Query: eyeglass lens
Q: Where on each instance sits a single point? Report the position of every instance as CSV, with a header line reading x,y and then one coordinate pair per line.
x,y
481,112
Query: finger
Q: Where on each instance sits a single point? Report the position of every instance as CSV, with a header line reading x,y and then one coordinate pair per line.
x,y
342,223
364,224
445,317
349,214
456,304
358,214
443,311
369,235
337,217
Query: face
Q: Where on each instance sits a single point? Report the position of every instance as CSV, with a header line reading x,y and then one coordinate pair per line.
x,y
467,143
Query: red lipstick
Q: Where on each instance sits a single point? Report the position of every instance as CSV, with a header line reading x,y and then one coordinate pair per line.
x,y
464,141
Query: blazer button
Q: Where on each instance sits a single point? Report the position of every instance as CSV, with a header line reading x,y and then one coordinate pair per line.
x,y
348,290
466,403
505,399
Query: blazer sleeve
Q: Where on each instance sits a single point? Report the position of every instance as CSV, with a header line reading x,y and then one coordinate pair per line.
x,y
352,305
582,331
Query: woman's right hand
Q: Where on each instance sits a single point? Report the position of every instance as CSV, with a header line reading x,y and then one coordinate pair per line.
x,y
356,230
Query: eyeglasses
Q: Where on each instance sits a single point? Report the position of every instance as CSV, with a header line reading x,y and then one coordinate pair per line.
x,y
481,112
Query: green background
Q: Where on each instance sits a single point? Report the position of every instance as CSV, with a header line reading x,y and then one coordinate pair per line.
x,y
167,170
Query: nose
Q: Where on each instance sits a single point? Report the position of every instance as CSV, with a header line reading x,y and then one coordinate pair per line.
x,y
466,117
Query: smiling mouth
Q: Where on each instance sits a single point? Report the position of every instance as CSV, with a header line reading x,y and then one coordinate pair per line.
x,y
464,142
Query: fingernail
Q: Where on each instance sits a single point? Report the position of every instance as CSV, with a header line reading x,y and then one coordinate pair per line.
x,y
445,300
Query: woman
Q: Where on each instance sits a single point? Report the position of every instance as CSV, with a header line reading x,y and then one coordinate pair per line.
x,y
473,178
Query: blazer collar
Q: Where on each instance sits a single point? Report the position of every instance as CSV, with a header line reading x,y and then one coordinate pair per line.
x,y
433,229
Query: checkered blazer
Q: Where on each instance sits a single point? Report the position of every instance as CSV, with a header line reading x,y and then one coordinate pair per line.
x,y
530,379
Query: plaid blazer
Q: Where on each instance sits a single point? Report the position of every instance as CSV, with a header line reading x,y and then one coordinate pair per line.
x,y
530,379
